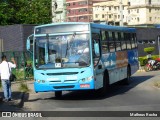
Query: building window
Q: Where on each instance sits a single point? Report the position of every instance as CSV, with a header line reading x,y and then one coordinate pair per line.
x,y
137,10
83,3
96,15
150,18
138,19
102,15
68,4
83,17
150,10
83,10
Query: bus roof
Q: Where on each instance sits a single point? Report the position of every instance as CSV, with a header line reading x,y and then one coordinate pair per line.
x,y
95,25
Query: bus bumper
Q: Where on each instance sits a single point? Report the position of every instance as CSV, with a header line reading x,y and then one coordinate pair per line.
x,y
44,87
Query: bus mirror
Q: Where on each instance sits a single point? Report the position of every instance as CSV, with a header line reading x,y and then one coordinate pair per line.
x,y
96,48
28,44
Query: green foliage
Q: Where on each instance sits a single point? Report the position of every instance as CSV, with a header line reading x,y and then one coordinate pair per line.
x,y
23,87
25,12
143,60
149,50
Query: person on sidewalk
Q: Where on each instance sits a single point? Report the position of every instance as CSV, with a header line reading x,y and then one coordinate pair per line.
x,y
5,68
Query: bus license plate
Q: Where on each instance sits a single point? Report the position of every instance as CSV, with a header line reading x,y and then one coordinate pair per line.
x,y
85,85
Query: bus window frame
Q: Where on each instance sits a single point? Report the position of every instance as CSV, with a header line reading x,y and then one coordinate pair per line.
x,y
104,41
93,50
111,40
117,40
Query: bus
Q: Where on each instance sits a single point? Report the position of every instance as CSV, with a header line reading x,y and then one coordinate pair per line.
x,y
73,56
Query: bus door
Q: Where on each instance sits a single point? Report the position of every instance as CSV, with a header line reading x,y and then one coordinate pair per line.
x,y
96,55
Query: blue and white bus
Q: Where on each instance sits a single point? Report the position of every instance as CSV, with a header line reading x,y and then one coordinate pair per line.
x,y
82,56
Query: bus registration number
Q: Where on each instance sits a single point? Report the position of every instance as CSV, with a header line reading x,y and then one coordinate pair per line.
x,y
85,85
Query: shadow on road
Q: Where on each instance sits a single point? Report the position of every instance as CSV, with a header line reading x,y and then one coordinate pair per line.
x,y
115,89
12,105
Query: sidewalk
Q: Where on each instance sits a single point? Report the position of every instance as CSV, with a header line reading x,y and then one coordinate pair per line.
x,y
17,96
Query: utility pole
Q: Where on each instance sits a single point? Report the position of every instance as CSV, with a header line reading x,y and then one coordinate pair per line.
x,y
121,12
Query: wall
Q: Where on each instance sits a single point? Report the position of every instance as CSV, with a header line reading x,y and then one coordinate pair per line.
x,y
14,36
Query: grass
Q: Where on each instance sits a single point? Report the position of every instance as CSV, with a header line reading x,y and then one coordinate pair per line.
x,y
157,84
23,87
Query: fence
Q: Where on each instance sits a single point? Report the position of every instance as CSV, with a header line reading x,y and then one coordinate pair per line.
x,y
24,64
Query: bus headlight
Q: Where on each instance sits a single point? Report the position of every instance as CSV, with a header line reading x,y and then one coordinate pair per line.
x,y
89,78
38,81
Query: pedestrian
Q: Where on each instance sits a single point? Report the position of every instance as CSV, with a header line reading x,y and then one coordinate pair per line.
x,y
5,71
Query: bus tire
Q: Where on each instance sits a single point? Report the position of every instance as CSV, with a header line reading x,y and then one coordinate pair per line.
x,y
58,94
126,81
105,88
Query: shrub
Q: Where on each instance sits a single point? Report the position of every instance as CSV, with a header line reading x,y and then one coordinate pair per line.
x,y
143,60
23,87
149,50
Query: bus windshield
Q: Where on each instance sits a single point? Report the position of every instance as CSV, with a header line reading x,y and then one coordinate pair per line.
x,y
62,51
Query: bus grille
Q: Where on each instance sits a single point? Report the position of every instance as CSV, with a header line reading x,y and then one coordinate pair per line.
x,y
62,87
64,73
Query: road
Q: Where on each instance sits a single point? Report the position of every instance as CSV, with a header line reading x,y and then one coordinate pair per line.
x,y
140,95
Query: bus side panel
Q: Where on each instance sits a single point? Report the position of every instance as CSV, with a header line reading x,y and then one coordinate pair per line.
x,y
133,60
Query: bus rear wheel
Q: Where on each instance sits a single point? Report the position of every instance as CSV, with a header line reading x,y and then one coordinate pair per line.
x,y
58,94
126,81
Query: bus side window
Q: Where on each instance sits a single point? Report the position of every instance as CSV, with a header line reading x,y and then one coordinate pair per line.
x,y
132,40
135,39
127,39
123,43
95,48
104,42
117,42
111,42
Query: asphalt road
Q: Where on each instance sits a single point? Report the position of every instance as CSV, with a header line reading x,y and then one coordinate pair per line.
x,y
140,95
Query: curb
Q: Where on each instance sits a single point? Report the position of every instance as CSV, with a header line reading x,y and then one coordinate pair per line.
x,y
141,70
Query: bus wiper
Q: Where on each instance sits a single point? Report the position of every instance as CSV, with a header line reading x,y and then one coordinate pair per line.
x,y
69,46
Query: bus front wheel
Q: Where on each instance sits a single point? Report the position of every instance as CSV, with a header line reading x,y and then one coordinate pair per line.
x,y
105,87
58,94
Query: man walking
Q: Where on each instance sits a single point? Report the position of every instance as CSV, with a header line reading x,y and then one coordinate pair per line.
x,y
5,68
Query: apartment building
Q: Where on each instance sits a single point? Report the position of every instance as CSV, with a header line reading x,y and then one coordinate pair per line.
x,y
80,10
112,12
133,12
143,12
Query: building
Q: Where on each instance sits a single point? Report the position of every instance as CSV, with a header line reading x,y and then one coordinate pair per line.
x,y
129,12
143,12
58,10
113,12
80,10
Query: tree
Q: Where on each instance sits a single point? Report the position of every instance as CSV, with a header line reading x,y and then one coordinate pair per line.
x,y
25,12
